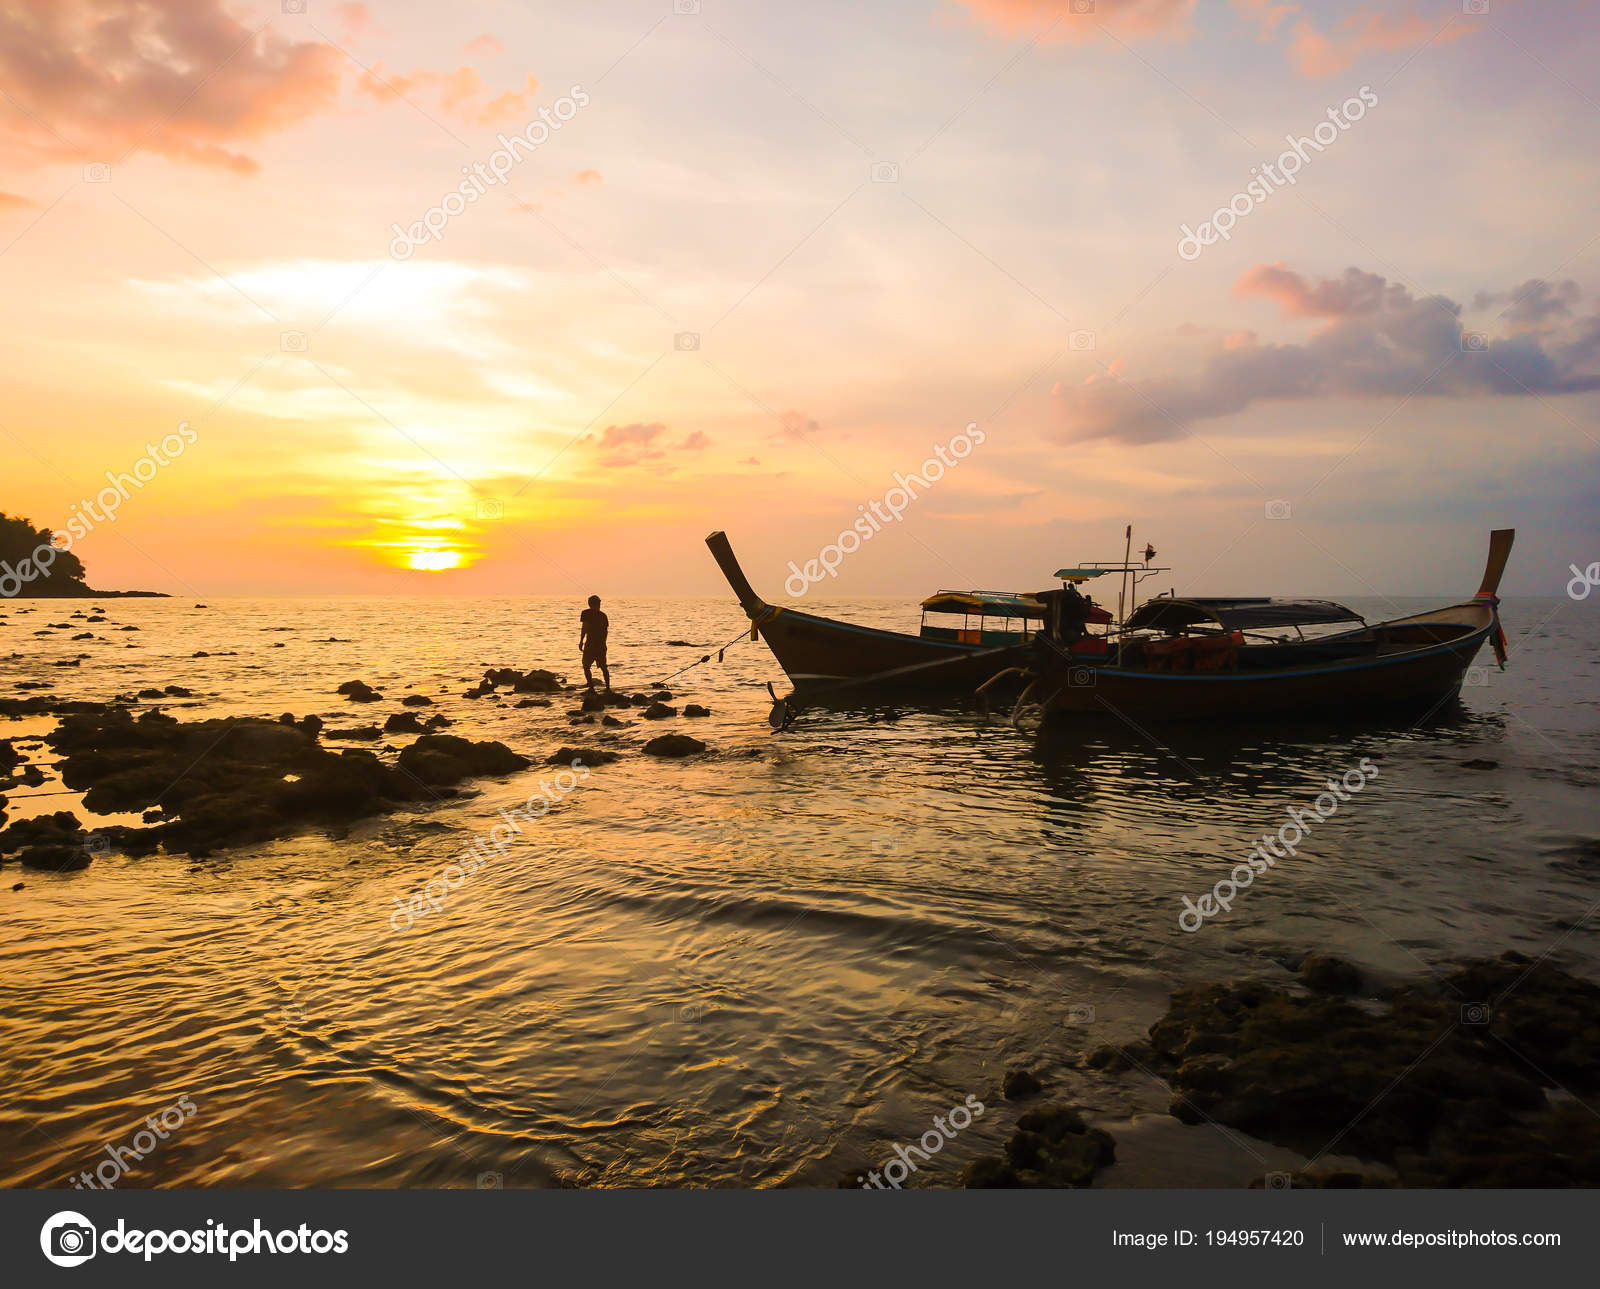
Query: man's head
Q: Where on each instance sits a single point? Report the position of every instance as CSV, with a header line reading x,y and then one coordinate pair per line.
x,y
594,601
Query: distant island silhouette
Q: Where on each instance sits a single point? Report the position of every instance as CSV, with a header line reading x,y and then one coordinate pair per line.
x,y
59,576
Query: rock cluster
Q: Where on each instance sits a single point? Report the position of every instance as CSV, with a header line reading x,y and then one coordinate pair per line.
x,y
1051,1147
233,781
1445,1080
57,843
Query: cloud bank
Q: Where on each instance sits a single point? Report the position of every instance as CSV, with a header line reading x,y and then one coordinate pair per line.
x,y
1379,339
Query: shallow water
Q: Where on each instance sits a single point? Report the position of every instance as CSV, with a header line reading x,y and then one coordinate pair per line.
x,y
768,965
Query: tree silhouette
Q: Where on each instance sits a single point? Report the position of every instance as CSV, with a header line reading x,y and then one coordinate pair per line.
x,y
20,540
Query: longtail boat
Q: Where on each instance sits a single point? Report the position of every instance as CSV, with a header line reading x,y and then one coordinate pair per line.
x,y
1206,658
966,637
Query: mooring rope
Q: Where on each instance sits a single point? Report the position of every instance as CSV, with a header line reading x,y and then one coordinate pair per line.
x,y
705,658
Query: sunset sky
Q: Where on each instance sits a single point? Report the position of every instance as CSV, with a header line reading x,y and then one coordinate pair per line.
x,y
775,254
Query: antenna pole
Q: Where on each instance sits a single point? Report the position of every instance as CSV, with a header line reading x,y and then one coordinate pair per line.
x,y
1122,593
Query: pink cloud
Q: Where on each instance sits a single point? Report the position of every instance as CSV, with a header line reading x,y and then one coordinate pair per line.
x,y
456,92
1379,341
588,178
1062,20
1317,54
10,201
485,44
621,446
1266,14
798,425
1298,297
356,18
178,78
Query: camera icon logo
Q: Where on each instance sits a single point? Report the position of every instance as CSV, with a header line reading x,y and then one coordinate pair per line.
x,y
491,1182
1280,1181
294,6
885,172
68,1239
1474,342
1082,7
96,845
1081,678
1080,1014
292,342
686,7
1477,677
1279,509
686,341
1474,1013
491,508
1081,341
1475,6
97,172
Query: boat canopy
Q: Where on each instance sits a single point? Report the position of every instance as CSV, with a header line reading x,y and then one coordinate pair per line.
x,y
1167,614
1082,574
994,604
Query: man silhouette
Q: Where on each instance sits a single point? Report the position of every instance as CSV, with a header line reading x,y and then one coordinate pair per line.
x,y
592,628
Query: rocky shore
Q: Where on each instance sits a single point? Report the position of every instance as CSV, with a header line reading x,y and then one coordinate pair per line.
x,y
204,785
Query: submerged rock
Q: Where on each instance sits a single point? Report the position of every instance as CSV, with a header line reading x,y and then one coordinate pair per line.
x,y
445,759
1019,1084
233,781
533,681
416,700
403,723
590,756
358,691
1051,1147
1329,975
658,712
1437,1084
55,843
694,709
674,745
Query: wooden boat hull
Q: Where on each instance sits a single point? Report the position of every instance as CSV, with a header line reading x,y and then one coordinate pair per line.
x,y
1399,674
814,650
817,652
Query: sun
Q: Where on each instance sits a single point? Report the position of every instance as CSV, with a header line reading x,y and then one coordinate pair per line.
x,y
433,561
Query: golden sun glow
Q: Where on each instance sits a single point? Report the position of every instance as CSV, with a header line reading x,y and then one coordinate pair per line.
x,y
433,561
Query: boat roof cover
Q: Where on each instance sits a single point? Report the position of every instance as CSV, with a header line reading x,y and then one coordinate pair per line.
x,y
999,604
1166,614
1080,574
